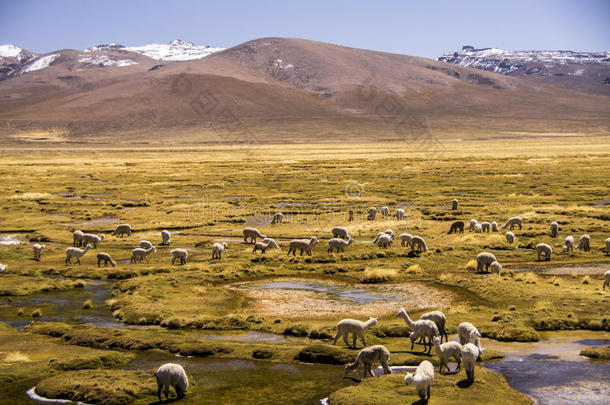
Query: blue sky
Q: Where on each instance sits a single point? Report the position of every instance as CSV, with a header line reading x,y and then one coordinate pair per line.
x,y
416,27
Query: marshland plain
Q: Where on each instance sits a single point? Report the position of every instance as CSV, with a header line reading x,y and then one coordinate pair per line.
x,y
259,328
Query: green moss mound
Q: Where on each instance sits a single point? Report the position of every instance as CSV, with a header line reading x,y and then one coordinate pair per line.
x,y
325,354
596,352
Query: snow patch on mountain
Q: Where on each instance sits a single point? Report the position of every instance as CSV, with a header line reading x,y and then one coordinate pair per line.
x,y
9,51
279,63
105,61
41,63
176,50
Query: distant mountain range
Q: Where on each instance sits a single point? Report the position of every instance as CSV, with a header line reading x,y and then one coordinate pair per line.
x,y
588,72
280,90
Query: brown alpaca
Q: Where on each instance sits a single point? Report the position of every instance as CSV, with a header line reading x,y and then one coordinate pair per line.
x,y
457,226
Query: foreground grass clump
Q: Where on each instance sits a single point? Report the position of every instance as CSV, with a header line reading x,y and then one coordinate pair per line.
x,y
488,388
378,275
325,354
99,387
596,352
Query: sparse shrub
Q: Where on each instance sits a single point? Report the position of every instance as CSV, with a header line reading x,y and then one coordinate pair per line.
x,y
324,354
320,334
37,313
530,278
512,308
378,275
471,265
87,304
414,269
296,330
171,323
586,280
20,312
262,354
595,325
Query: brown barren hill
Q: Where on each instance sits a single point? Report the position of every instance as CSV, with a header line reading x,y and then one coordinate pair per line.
x,y
276,90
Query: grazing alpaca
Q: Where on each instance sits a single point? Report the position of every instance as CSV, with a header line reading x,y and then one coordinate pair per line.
x,y
446,351
367,357
171,375
123,229
584,243
554,229
544,249
568,244
512,222
372,213
405,239
37,250
457,226
303,245
400,214
424,375
264,245
217,250
340,232
606,280
278,217
104,257
76,252
355,327
422,327
181,254
252,234
165,237
350,215
484,260
470,354
454,204
418,244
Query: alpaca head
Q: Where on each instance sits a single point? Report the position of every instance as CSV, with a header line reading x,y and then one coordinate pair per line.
x,y
402,312
224,245
372,321
409,378
102,236
89,246
314,241
153,249
436,340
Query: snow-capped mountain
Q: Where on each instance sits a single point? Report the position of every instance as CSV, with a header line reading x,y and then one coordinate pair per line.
x,y
12,59
582,71
177,50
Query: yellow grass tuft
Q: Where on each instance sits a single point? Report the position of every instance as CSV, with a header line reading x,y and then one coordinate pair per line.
x,y
586,280
378,275
16,357
87,304
471,265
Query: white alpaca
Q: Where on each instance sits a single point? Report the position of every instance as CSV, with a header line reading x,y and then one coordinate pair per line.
x,y
494,226
568,244
3,267
171,375
144,244
391,233
91,239
217,250
478,228
439,320
252,234
140,254
123,229
179,254
385,211
543,248
165,237
339,244
77,238
369,356
424,375
355,327
454,204
446,351
278,217
512,222
606,280
584,243
418,244
510,237
76,252
104,257
405,239
472,224
468,333
554,229
340,232
484,260
383,240
372,213
470,354
422,327
400,214
495,267
303,245
485,226
607,246
265,244
37,250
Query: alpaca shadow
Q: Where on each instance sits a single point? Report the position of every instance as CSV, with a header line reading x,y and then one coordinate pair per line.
x,y
354,379
465,383
420,401
413,253
449,372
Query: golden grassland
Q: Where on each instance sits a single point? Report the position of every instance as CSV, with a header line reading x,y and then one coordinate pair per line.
x,y
208,194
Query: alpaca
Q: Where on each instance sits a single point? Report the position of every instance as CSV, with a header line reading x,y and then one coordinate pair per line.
x,y
470,354
472,224
278,217
512,222
339,244
355,327
608,247
554,229
606,280
383,240
584,243
340,232
367,357
91,239
440,320
37,251
457,226
144,244
350,215
104,257
485,226
478,228
568,244
171,375
303,244
494,227
422,327
385,211
405,239
543,248
372,213
252,234
424,375
391,233
264,245
139,254
181,254
76,252
495,267
217,250
77,238
123,229
400,214
446,351
484,260
418,244
165,237
454,204
468,333
510,237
